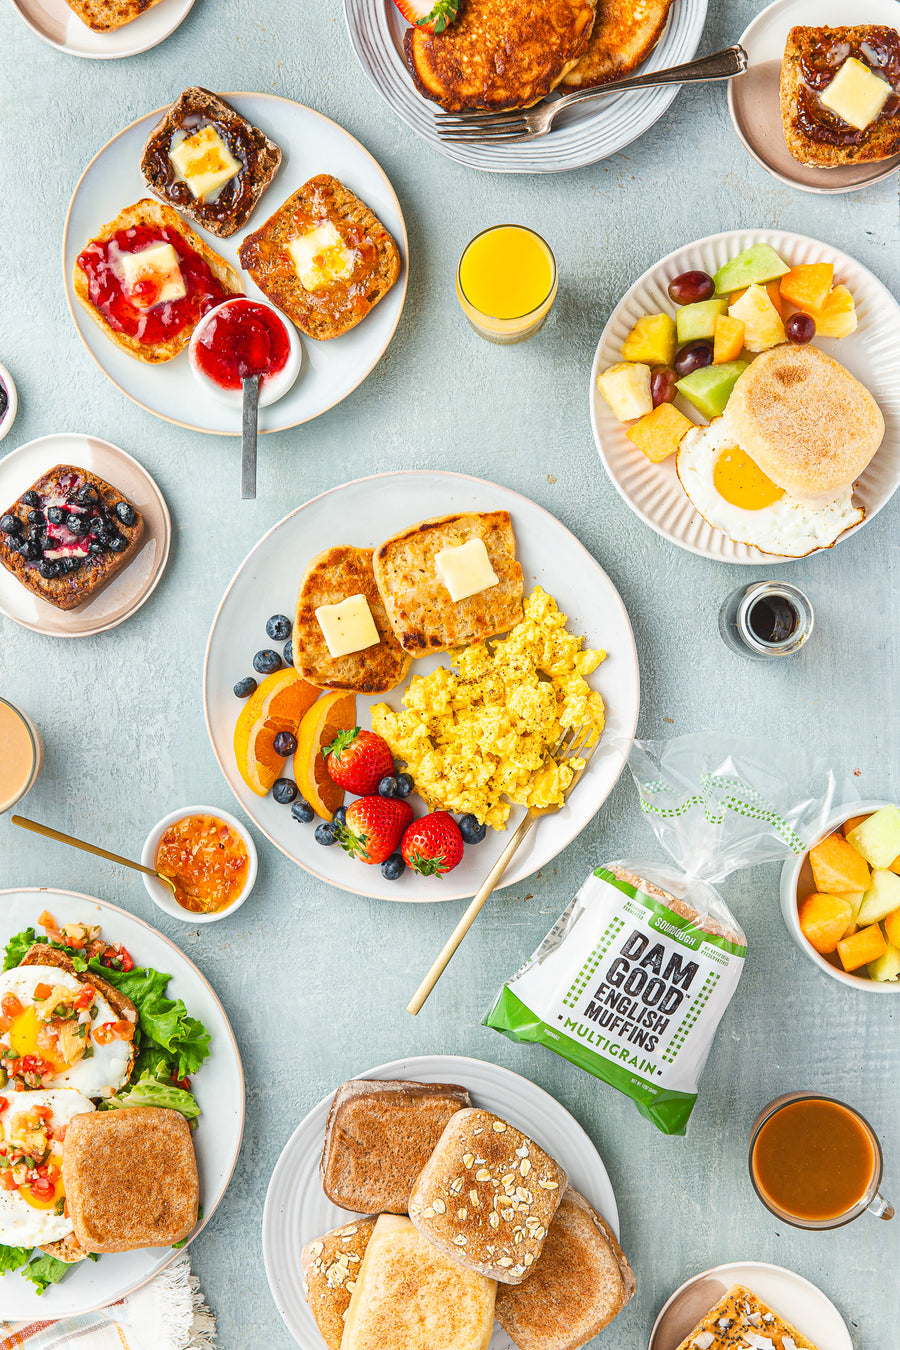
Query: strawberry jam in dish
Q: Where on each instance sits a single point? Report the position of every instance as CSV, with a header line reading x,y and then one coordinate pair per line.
x,y
242,338
206,859
159,305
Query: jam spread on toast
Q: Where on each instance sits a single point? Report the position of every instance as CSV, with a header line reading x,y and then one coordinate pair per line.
x,y
243,338
818,67
341,294
230,200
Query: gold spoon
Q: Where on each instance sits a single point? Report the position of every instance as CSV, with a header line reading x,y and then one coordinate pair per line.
x,y
101,853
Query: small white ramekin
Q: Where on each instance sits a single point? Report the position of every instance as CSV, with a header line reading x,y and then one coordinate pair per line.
x,y
790,878
163,897
12,405
274,388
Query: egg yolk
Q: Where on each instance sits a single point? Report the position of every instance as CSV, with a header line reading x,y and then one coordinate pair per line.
x,y
28,1036
43,1199
740,481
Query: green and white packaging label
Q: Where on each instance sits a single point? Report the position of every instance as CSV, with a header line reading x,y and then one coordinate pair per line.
x,y
629,990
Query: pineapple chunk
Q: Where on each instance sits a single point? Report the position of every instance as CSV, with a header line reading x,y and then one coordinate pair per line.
x,y
763,327
660,433
837,317
652,340
626,388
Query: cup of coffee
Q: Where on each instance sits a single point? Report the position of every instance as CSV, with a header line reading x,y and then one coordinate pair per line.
x,y
21,754
816,1162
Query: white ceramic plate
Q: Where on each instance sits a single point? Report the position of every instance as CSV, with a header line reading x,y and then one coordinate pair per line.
x,y
364,513
652,490
218,1087
789,1294
128,589
581,136
297,1210
310,144
58,25
754,100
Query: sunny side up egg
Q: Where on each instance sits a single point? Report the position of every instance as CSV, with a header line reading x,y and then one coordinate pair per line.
x,y
32,1130
733,494
42,1018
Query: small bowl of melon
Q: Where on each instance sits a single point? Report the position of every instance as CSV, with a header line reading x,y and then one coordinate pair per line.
x,y
841,899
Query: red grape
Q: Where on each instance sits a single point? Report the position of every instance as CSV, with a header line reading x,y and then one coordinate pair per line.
x,y
693,357
800,328
691,287
662,385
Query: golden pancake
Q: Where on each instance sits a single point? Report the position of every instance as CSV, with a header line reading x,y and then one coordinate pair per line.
x,y
624,34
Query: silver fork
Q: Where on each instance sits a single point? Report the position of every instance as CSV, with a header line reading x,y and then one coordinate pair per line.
x,y
526,124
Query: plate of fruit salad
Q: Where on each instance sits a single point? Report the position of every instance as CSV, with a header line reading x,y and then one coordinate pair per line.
x,y
675,349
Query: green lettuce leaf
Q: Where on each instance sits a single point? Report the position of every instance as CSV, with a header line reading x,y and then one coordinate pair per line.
x,y
13,1257
149,1091
164,1021
45,1270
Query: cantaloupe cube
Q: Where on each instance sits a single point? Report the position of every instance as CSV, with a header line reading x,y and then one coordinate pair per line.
x,y
892,927
882,896
895,865
824,920
886,968
878,837
659,434
773,291
851,824
729,339
837,317
837,867
865,946
808,285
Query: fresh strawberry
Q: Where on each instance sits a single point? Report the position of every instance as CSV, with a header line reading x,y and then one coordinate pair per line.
x,y
433,845
358,760
374,827
432,15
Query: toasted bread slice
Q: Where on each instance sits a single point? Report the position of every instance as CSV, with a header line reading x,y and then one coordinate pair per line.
x,y
410,1296
331,577
378,1138
814,134
418,603
130,1178
624,35
231,207
216,280
499,53
330,1270
582,1281
104,15
463,1198
368,265
729,1325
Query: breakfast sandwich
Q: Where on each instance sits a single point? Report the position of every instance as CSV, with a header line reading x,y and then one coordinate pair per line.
x,y
839,94
451,581
323,257
378,1138
741,1319
582,1281
208,161
343,637
103,16
330,1270
624,35
147,279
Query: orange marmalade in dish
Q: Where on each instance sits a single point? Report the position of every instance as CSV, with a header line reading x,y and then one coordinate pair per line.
x,y
207,861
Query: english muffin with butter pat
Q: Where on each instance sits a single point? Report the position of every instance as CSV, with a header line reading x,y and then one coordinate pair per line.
x,y
451,581
324,258
343,637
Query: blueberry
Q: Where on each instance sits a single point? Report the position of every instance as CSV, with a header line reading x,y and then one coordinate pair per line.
x,y
70,564
388,786
279,627
392,868
284,791
36,516
471,830
116,543
87,495
245,687
10,524
326,834
125,512
302,811
56,515
96,546
37,536
29,550
340,816
404,785
288,653
77,524
285,743
49,569
31,498
266,662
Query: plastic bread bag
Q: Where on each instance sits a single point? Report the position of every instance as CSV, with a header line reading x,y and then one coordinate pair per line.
x,y
632,980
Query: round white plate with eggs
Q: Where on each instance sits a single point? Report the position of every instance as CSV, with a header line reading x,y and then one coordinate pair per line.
x,y
218,1087
653,491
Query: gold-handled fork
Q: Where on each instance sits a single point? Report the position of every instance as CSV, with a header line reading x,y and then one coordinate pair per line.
x,y
574,742
526,124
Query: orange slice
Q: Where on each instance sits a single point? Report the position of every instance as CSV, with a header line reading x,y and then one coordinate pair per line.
x,y
277,705
333,713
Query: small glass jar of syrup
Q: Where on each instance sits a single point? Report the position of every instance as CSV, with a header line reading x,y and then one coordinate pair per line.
x,y
766,619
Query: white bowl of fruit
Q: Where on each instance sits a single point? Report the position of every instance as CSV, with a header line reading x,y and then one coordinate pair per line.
x,y
841,899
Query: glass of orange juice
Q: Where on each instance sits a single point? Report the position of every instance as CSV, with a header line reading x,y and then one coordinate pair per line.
x,y
506,283
21,754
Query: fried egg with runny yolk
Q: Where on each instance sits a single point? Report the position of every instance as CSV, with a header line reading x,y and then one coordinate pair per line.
x,y
32,1195
58,1031
733,494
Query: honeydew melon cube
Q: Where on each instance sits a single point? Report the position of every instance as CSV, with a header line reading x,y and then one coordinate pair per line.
x,y
709,388
758,264
699,320
626,388
886,968
878,838
880,899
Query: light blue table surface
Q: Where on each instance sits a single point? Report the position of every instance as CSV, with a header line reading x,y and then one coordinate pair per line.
x,y
314,980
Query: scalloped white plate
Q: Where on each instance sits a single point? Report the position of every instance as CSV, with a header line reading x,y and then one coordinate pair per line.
x,y
652,490
297,1209
60,26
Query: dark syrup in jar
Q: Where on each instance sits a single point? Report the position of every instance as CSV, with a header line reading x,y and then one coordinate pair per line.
x,y
242,339
766,619
773,619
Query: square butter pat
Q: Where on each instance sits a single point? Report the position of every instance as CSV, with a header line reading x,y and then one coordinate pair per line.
x,y
856,94
320,257
466,569
347,627
204,162
157,265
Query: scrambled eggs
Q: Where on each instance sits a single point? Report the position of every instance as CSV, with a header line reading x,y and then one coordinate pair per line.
x,y
473,736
